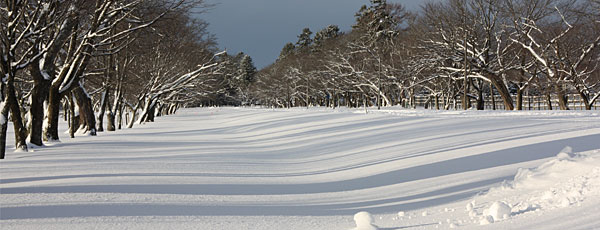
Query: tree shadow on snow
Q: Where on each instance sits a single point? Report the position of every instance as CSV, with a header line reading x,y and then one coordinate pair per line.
x,y
492,159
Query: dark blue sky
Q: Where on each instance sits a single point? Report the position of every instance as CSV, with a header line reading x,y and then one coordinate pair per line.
x,y
260,28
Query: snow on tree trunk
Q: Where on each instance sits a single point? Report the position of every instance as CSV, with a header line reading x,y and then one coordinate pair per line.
x,y
54,97
563,100
103,105
503,91
19,127
3,128
133,116
39,94
87,120
73,119
110,121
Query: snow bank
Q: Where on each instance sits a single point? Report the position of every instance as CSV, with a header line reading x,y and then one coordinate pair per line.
x,y
566,180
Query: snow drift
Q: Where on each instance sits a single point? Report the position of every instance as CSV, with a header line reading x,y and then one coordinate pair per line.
x,y
567,180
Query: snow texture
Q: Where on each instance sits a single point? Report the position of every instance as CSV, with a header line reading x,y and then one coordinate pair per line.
x,y
298,169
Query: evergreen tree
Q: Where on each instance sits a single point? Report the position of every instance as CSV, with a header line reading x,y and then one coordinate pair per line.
x,y
331,31
304,39
247,70
286,50
375,21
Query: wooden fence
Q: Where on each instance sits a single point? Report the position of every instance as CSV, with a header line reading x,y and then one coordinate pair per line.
x,y
529,103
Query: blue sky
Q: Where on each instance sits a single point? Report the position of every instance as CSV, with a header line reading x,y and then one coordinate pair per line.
x,y
260,28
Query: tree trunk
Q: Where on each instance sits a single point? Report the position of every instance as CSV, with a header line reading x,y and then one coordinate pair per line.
x,y
73,120
119,115
66,112
151,113
53,114
465,98
3,128
87,120
335,100
480,99
120,119
173,108
110,121
503,91
132,119
563,100
413,99
103,105
519,99
493,97
167,109
39,94
586,100
144,114
20,131
115,110
158,109
111,115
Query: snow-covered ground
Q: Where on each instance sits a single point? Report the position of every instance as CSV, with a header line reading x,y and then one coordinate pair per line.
x,y
242,168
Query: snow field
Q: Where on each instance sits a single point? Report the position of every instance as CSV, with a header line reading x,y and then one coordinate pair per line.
x,y
233,168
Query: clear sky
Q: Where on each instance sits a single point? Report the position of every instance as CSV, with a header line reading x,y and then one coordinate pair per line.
x,y
260,28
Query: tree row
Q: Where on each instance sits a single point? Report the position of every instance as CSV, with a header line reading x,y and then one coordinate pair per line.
x,y
453,51
122,62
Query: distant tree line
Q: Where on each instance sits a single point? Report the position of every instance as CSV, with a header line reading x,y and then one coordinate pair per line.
x,y
450,51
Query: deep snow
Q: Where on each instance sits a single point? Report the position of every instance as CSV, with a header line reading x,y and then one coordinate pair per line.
x,y
234,168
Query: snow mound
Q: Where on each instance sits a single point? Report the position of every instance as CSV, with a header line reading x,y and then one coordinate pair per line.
x,y
565,180
364,221
498,211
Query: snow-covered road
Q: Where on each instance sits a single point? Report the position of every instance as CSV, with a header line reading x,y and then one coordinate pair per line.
x,y
234,168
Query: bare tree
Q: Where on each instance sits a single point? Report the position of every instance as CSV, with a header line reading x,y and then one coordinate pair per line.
x,y
544,33
21,24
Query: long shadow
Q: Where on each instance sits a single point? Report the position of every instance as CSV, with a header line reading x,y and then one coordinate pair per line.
x,y
354,142
459,165
191,209
429,152
332,128
279,122
322,151
387,136
391,137
411,226
449,167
